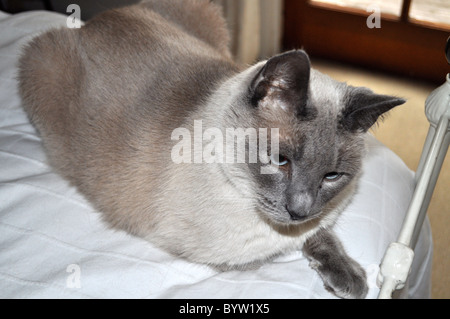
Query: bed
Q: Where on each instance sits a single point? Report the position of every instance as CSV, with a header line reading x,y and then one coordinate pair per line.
x,y
53,244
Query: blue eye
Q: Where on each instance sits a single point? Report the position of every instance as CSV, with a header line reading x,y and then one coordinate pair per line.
x,y
278,160
332,177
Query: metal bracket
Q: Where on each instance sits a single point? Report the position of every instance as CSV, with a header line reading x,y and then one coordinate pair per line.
x,y
395,269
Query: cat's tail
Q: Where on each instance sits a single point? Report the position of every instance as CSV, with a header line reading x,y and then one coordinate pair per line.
x,y
201,18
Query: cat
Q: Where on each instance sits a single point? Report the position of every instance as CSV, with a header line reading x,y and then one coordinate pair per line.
x,y
106,100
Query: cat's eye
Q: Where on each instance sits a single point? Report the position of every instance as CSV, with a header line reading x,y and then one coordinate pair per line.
x,y
332,177
279,160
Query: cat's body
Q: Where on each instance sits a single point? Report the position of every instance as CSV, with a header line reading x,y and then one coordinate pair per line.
x,y
107,98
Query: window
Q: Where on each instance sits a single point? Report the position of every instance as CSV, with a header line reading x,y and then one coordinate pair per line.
x,y
409,37
393,7
432,12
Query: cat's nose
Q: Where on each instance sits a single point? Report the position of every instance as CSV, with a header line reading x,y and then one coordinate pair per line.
x,y
296,215
299,206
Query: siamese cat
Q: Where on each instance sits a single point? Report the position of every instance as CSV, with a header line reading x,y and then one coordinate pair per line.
x,y
108,99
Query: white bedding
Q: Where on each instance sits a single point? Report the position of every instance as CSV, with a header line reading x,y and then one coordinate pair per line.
x,y
54,245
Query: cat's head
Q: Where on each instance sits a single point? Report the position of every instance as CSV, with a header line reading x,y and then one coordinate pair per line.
x,y
322,126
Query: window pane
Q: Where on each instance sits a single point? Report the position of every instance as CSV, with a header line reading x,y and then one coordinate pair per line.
x,y
393,7
436,11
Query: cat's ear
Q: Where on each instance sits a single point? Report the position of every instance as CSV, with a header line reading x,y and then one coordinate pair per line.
x,y
363,108
283,81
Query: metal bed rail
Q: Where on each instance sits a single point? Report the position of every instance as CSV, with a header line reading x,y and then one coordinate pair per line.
x,y
397,262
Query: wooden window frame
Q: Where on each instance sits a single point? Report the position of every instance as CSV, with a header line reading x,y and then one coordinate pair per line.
x,y
401,46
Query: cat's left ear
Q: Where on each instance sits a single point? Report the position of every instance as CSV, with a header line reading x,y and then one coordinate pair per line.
x,y
363,108
283,82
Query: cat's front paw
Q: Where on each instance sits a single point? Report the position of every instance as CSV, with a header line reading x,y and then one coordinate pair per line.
x,y
346,281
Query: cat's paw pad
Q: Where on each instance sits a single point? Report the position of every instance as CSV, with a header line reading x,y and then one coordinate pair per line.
x,y
347,282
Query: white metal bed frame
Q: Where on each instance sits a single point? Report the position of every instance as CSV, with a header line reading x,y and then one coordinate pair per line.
x,y
397,262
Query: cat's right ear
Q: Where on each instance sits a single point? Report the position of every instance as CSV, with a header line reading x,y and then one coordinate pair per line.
x,y
283,80
363,108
